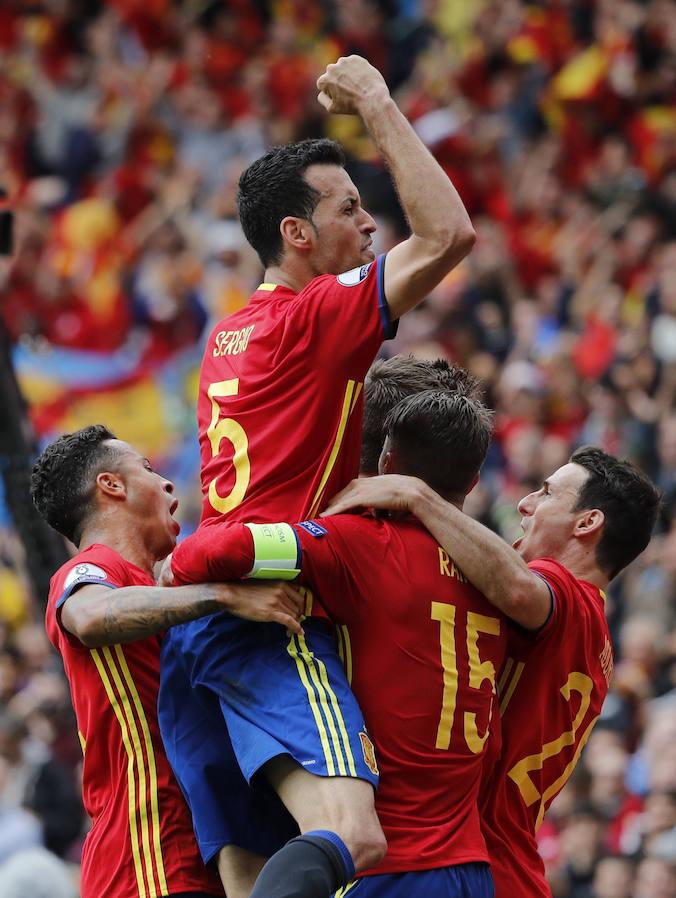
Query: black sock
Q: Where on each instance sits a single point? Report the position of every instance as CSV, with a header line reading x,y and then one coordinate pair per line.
x,y
310,866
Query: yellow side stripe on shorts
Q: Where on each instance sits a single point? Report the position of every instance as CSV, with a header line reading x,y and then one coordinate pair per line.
x,y
348,888
154,804
131,783
322,686
340,720
292,649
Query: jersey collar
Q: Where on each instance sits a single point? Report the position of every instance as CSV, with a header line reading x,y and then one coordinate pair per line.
x,y
266,289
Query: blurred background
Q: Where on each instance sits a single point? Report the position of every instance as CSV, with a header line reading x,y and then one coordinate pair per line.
x,y
123,129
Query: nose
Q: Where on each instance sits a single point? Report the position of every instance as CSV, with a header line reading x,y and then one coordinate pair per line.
x,y
168,487
526,505
368,224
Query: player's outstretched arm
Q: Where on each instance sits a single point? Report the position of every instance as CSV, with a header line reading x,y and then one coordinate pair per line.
x,y
442,233
98,615
484,558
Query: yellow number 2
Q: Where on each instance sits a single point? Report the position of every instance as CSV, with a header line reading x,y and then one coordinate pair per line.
x,y
576,683
227,429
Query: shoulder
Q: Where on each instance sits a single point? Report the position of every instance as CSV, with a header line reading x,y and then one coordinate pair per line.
x,y
348,535
340,284
575,600
96,564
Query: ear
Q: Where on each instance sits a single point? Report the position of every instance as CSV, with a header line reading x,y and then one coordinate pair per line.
x,y
387,463
473,483
589,523
296,232
111,485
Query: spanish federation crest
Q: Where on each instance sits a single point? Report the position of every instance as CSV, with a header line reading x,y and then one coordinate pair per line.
x,y
369,753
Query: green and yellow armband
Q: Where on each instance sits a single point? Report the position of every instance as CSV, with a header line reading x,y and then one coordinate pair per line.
x,y
276,552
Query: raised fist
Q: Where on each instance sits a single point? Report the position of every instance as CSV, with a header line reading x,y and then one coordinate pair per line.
x,y
349,83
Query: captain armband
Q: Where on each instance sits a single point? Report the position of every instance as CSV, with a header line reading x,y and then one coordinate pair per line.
x,y
276,552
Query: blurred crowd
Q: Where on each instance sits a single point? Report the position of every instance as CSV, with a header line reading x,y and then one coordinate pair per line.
x,y
123,129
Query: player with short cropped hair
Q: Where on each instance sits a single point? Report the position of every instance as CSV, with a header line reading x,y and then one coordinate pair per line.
x,y
104,615
591,518
279,418
421,645
391,380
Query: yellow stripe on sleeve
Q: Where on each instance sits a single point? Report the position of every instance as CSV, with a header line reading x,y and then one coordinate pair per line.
x,y
131,783
136,742
152,767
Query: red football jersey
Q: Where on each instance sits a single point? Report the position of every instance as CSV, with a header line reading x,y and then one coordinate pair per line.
x,y
141,844
421,647
280,397
551,690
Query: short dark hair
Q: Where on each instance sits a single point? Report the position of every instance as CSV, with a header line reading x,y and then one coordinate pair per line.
x,y
64,476
274,186
441,437
629,501
391,380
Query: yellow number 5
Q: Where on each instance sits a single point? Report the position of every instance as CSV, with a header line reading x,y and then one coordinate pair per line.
x,y
227,429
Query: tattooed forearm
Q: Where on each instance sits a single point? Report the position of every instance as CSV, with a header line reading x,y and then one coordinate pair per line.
x,y
138,612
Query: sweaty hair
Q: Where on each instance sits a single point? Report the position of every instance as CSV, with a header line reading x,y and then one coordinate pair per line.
x,y
628,500
391,380
442,438
64,476
274,186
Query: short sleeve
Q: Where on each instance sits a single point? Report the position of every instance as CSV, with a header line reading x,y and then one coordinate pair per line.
x,y
87,572
351,308
562,586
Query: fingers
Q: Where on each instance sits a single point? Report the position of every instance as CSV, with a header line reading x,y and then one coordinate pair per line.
x,y
292,625
296,598
347,499
325,100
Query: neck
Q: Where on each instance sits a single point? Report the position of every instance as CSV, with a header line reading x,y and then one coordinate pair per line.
x,y
581,562
123,539
291,272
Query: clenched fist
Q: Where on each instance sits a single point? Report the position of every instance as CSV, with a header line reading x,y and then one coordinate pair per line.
x,y
349,83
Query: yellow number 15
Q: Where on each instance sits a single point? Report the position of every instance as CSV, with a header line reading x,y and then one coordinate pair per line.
x,y
478,672
227,429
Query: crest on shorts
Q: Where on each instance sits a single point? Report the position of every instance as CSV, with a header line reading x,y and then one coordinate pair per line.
x,y
369,753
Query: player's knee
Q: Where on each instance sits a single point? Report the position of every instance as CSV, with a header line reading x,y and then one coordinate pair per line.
x,y
367,844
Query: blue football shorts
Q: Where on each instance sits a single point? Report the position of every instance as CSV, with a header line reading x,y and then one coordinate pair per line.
x,y
276,695
459,881
225,809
